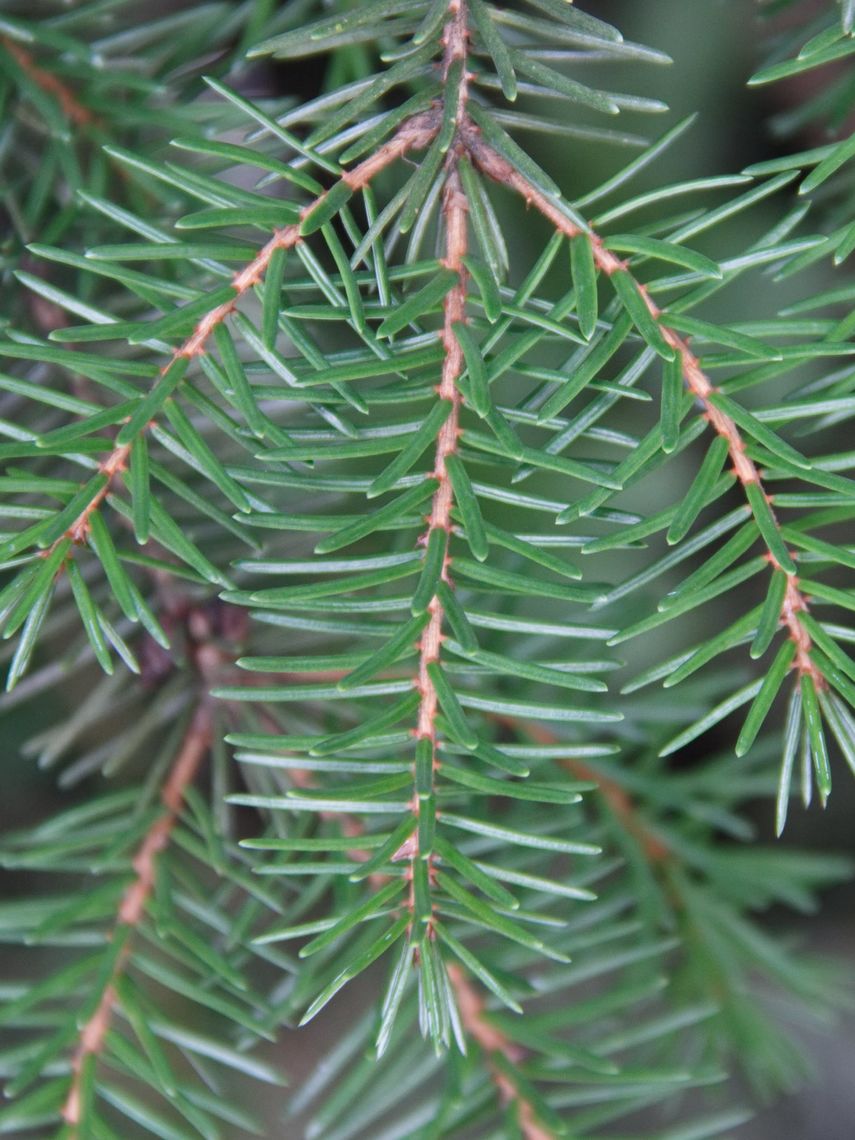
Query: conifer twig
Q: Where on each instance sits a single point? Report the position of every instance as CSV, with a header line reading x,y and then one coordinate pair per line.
x,y
192,752
695,379
493,1041
207,659
414,134
367,713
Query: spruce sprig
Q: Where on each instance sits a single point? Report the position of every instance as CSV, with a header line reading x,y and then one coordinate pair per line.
x,y
440,772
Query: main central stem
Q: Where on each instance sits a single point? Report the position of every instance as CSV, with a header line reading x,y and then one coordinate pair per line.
x,y
455,215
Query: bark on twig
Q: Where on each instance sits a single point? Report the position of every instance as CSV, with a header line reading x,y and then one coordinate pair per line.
x,y
695,379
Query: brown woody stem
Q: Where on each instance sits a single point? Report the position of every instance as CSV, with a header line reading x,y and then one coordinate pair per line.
x,y
456,216
416,133
493,1041
695,379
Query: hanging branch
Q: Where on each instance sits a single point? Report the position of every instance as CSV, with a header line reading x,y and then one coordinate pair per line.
x,y
188,761
794,602
412,135
207,660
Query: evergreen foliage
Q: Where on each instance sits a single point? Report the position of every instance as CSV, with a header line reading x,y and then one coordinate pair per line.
x,y
329,508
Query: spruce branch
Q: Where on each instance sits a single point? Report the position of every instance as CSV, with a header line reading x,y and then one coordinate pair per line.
x,y
188,761
111,984
414,134
696,381
207,660
356,437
